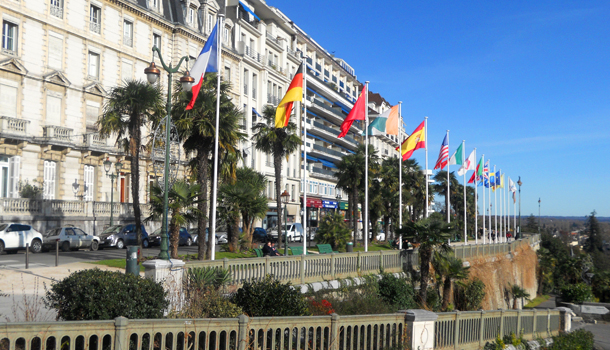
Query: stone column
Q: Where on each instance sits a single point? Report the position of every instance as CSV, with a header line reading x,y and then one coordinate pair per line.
x,y
419,327
169,273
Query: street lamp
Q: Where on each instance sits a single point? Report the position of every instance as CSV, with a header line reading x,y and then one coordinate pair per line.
x,y
75,187
285,197
117,166
152,74
338,197
520,183
538,215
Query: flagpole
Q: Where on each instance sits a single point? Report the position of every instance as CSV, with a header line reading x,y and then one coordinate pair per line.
x,y
506,200
496,206
426,175
366,169
476,203
304,121
465,218
399,173
483,207
448,185
212,233
489,212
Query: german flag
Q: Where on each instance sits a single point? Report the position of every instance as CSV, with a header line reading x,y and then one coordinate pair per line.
x,y
294,93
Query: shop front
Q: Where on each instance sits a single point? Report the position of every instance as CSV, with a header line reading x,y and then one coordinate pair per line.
x,y
328,207
312,215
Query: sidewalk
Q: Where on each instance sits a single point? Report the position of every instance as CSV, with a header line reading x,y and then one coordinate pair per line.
x,y
26,288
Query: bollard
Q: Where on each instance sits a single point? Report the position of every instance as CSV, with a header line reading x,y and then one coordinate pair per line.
x,y
132,264
57,253
27,256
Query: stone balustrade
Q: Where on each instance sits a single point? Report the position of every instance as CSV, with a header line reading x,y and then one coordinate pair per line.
x,y
14,126
66,208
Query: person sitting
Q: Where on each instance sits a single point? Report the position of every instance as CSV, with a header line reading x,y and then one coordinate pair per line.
x,y
267,249
274,251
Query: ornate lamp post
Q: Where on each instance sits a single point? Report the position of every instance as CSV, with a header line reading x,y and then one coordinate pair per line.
x,y
338,198
285,197
117,166
152,74
520,183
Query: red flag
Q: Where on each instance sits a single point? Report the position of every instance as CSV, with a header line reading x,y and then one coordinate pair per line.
x,y
358,112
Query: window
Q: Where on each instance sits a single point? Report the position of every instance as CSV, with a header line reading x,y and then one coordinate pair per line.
x,y
57,8
227,75
94,65
126,71
128,33
9,37
157,40
191,16
89,183
95,19
254,84
225,35
56,48
93,112
9,176
53,110
209,23
50,171
292,194
246,82
8,100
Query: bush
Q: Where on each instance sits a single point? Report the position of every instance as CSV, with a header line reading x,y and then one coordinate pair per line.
x,y
600,285
469,296
576,293
208,304
270,297
397,292
334,231
103,295
577,340
28,190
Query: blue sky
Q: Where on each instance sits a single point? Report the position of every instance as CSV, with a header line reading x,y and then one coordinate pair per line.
x,y
526,82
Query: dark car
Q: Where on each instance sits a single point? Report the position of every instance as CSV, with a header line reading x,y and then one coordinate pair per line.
x,y
185,238
120,236
259,235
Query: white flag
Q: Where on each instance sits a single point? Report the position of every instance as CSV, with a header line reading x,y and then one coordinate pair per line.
x,y
511,185
469,164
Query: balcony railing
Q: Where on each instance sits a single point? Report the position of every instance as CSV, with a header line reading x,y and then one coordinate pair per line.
x,y
58,133
253,54
56,207
14,126
246,89
328,151
128,41
57,11
273,39
274,100
95,27
94,140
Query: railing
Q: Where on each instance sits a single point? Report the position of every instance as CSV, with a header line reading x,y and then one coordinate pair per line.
x,y
21,206
321,126
274,100
57,11
94,140
127,41
253,54
472,329
328,151
95,27
14,126
274,40
58,133
67,208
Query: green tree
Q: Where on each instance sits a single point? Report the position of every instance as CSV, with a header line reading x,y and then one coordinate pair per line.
x,y
518,293
450,269
440,187
349,174
333,231
197,128
431,233
414,190
182,209
129,109
278,142
531,225
594,232
389,194
469,295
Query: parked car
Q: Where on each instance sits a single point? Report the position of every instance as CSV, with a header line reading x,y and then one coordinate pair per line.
x,y
120,236
69,238
184,237
294,232
220,239
14,237
259,235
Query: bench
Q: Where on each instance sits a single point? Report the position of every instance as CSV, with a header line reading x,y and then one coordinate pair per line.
x,y
296,250
259,252
325,249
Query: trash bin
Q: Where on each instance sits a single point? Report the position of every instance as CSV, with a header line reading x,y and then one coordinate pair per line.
x,y
132,264
350,247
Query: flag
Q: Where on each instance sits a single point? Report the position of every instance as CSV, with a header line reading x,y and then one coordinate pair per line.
x,y
468,164
501,185
514,197
486,170
443,155
294,93
207,61
377,126
456,158
358,112
511,186
391,126
414,142
477,172
498,178
492,179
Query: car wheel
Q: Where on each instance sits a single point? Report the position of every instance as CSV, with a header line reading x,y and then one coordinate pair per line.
x,y
36,246
94,246
13,251
189,242
1,247
65,246
120,244
145,243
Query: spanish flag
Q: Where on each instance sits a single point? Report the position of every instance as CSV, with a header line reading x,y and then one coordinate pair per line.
x,y
414,142
294,93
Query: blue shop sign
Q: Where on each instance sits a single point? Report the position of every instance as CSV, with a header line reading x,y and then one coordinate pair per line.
x,y
329,204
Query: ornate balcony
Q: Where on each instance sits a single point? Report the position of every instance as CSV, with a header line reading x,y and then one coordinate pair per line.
x,y
14,126
94,140
58,133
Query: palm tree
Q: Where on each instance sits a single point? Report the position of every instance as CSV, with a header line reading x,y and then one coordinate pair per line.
x,y
349,174
131,107
278,142
431,233
518,292
197,130
183,197
374,206
414,188
389,193
440,186
450,269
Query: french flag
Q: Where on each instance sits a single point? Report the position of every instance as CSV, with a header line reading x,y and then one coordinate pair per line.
x,y
207,61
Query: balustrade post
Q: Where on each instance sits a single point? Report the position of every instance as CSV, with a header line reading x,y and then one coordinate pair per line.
x,y
334,331
303,269
332,265
358,262
456,330
225,263
534,317
381,260
121,340
519,314
482,330
242,334
502,323
419,329
565,319
548,322
266,265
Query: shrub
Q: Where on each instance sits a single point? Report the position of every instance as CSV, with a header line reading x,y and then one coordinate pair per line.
x,y
204,303
577,340
323,307
270,297
334,231
600,286
469,295
94,294
396,291
576,293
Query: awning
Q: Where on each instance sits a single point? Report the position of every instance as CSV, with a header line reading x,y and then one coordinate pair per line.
x,y
314,202
255,112
310,158
248,10
327,163
343,107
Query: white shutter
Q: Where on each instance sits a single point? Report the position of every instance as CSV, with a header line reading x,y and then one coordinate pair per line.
x,y
8,101
49,180
127,71
89,182
14,165
53,110
55,52
93,112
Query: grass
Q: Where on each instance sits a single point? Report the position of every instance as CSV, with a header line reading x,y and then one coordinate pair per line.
x,y
536,301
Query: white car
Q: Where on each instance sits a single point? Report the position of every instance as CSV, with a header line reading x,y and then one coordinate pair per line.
x,y
294,232
14,237
70,238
